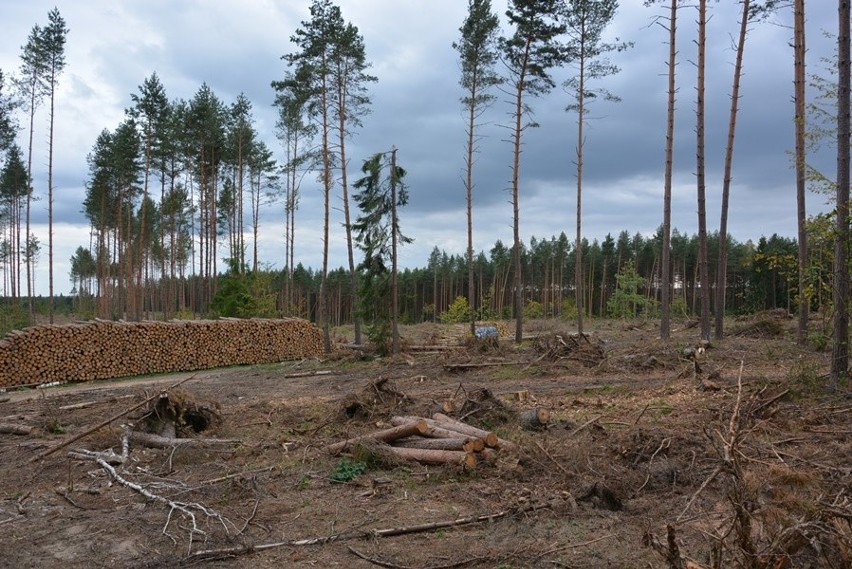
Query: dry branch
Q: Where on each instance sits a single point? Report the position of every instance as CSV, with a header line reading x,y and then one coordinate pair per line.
x,y
188,509
210,554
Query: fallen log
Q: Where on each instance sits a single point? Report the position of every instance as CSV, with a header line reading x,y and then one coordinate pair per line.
x,y
15,429
153,440
467,444
494,441
432,456
417,427
448,430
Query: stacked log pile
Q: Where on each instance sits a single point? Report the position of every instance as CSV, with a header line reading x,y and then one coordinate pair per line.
x,y
104,349
437,440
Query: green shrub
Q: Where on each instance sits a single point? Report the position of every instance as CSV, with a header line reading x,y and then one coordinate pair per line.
x,y
458,312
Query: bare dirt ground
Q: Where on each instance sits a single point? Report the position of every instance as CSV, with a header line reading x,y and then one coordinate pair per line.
x,y
652,458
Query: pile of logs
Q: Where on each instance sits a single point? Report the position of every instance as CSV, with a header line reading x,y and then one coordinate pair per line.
x,y
104,349
437,440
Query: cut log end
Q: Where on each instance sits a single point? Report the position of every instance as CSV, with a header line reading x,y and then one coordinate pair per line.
x,y
535,419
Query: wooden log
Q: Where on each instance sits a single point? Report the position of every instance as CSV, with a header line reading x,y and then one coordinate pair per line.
x,y
406,430
535,419
491,439
432,456
15,429
468,444
441,430
156,441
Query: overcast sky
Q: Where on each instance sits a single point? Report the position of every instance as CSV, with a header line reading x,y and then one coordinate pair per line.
x,y
236,46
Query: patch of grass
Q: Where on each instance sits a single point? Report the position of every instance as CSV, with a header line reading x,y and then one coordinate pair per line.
x,y
804,378
819,341
347,470
660,409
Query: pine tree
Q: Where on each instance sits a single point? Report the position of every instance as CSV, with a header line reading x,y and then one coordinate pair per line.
x,y
478,52
703,261
314,63
31,85
840,345
350,102
586,21
529,53
13,187
8,127
799,76
149,111
53,46
295,132
381,193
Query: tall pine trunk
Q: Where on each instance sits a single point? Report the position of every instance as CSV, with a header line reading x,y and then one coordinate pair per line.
x,y
722,271
840,347
665,268
799,82
703,264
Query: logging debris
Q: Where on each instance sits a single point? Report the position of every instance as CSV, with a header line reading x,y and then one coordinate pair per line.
x,y
378,398
582,348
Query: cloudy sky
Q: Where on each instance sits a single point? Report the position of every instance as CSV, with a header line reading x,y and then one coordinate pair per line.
x,y
236,47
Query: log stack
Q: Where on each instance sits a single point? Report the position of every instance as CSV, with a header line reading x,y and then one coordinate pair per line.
x,y
436,440
103,349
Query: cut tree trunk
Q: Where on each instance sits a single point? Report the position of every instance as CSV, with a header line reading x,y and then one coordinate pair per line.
x,y
416,427
491,441
432,456
439,429
535,419
467,444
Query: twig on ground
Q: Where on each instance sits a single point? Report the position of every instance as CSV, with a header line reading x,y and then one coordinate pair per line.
x,y
559,466
584,425
235,475
574,545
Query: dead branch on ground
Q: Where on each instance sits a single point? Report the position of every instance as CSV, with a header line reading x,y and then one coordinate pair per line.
x,y
212,554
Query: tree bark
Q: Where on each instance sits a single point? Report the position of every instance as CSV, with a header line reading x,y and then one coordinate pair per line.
x,y
840,347
722,271
801,150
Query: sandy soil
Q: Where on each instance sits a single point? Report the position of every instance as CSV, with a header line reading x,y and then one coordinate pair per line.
x,y
741,457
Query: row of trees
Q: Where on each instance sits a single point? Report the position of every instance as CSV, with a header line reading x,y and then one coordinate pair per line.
x,y
622,279
42,62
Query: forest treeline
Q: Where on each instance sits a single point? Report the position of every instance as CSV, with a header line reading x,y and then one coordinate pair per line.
x,y
177,189
622,280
